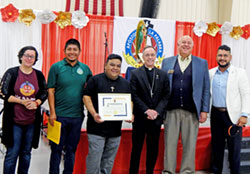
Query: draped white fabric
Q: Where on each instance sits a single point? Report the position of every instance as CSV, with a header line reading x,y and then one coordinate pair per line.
x,y
14,36
240,12
240,52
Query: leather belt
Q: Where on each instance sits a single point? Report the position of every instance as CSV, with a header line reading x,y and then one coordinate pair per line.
x,y
220,109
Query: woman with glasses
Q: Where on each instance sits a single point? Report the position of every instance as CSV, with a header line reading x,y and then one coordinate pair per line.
x,y
23,90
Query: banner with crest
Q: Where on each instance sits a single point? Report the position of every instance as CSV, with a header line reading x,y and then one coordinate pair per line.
x,y
131,35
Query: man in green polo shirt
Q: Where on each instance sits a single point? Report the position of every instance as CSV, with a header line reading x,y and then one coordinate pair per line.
x,y
65,88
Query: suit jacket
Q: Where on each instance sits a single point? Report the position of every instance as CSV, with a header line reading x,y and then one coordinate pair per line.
x,y
141,93
200,81
238,92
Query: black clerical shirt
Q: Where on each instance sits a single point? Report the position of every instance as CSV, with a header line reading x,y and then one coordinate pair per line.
x,y
150,74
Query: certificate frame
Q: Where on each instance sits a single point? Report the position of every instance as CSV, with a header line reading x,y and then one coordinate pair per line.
x,y
115,106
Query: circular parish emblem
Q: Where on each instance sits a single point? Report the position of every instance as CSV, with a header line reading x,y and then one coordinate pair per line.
x,y
143,36
27,89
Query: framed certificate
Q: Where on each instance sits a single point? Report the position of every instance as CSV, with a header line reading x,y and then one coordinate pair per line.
x,y
115,106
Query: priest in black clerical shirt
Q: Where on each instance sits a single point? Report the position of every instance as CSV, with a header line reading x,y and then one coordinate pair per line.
x,y
150,92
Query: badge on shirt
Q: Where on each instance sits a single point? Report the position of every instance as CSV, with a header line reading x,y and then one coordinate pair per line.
x,y
79,71
171,71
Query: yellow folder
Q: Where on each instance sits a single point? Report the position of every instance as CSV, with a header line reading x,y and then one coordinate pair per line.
x,y
54,132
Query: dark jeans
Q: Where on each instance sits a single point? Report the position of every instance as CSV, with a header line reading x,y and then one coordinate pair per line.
x,y
220,123
22,138
70,135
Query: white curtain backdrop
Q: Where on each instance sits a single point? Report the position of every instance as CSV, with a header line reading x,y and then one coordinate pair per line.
x,y
14,36
240,52
240,12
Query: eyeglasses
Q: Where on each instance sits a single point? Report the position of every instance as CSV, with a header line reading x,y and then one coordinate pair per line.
x,y
28,56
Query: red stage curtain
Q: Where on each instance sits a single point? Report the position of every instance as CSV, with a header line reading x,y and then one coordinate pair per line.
x,y
91,38
121,164
204,47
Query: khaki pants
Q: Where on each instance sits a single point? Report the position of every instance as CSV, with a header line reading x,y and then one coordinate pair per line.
x,y
184,123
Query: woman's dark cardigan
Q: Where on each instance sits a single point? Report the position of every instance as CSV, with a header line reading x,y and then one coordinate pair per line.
x,y
7,89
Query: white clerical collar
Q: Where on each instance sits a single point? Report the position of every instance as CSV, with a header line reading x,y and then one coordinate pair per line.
x,y
150,69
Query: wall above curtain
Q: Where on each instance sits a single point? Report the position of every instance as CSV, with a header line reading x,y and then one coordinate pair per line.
x,y
219,11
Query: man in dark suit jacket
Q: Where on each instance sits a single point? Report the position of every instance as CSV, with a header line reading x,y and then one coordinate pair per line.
x,y
188,105
150,92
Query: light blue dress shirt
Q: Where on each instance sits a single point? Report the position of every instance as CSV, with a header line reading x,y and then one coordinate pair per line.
x,y
219,88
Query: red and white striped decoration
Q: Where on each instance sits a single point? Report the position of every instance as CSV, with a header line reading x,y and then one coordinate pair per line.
x,y
96,7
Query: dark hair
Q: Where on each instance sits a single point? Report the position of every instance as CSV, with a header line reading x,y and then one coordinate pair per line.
x,y
146,47
22,51
114,56
72,42
224,47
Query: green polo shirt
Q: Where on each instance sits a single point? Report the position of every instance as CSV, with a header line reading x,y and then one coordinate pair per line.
x,y
68,82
